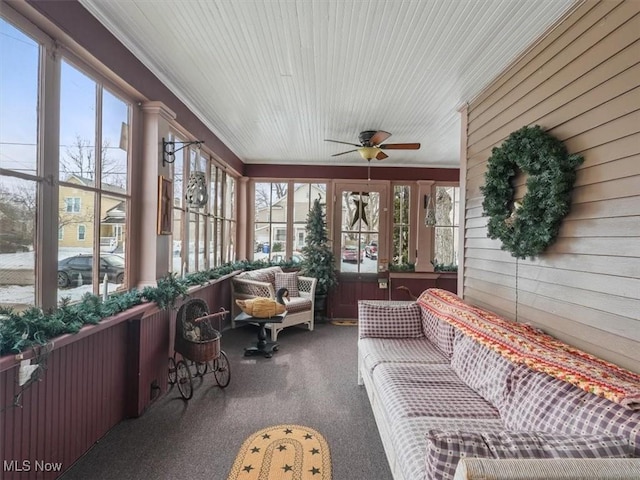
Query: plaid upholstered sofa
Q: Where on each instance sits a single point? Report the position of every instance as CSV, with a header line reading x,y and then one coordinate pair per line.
x,y
265,282
458,392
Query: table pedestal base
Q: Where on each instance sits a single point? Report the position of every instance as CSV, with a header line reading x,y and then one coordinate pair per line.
x,y
262,347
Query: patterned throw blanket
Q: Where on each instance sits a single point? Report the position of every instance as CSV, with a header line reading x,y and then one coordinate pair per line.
x,y
521,343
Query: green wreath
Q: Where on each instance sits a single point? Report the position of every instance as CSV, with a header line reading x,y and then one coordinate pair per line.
x,y
528,228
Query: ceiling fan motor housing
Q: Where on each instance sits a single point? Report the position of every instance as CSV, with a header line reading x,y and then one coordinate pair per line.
x,y
365,137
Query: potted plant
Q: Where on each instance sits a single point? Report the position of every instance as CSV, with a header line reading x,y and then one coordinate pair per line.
x,y
318,260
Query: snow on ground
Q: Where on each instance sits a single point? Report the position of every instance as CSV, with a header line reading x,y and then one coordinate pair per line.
x,y
22,263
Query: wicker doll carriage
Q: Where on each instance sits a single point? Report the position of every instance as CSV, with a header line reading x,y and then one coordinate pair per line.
x,y
197,341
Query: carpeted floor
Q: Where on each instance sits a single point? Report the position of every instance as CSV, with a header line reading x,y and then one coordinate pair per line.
x,y
310,381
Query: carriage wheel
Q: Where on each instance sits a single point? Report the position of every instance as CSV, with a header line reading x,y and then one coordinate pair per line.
x,y
201,368
222,370
172,371
183,375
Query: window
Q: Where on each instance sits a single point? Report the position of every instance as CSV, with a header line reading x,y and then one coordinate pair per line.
x,y
360,221
401,224
19,84
93,171
90,161
72,205
304,196
280,221
446,228
270,218
203,238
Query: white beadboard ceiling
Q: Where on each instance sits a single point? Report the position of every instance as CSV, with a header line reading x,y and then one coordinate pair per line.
x,y
274,78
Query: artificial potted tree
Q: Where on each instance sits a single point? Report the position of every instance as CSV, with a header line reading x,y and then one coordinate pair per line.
x,y
318,260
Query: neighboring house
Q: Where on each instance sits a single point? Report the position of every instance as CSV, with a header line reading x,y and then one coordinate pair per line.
x,y
77,213
273,218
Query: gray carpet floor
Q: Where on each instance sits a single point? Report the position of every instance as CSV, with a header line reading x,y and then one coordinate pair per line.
x,y
311,380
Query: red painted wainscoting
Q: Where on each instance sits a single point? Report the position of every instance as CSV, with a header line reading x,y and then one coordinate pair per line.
x,y
82,394
94,379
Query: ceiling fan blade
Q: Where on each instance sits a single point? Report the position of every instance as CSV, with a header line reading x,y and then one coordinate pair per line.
x,y
400,146
342,153
346,143
379,137
381,155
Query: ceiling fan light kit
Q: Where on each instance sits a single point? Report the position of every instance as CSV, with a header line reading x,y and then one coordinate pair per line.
x,y
371,145
368,153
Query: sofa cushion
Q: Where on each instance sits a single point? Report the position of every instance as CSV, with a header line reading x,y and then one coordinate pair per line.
x,y
374,351
409,439
487,372
432,390
439,332
288,280
537,401
446,448
389,320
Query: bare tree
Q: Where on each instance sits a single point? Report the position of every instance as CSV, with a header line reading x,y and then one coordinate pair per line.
x,y
444,250
79,160
269,193
17,214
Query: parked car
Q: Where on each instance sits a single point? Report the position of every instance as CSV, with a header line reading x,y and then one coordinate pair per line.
x,y
371,250
350,254
295,258
70,267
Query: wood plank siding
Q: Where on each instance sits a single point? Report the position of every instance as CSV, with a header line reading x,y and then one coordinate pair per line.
x,y
581,83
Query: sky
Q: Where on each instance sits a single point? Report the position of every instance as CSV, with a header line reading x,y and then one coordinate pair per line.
x,y
19,104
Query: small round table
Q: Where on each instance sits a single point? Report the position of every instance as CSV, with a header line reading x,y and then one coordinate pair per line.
x,y
262,347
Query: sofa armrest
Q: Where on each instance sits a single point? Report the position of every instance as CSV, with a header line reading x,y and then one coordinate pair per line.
x,y
307,286
247,288
548,469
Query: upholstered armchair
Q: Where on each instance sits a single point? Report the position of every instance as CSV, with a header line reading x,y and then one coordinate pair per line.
x,y
265,282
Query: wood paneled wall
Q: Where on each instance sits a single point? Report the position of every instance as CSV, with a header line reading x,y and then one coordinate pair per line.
x,y
582,84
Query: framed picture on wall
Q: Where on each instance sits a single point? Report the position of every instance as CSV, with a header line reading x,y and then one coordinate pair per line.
x,y
165,203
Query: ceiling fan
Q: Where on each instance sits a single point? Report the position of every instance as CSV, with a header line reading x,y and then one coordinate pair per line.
x,y
371,145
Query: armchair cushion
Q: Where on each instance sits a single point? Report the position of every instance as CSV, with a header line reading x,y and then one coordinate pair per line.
x,y
445,449
262,274
289,281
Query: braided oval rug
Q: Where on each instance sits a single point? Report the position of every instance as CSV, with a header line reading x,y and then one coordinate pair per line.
x,y
283,452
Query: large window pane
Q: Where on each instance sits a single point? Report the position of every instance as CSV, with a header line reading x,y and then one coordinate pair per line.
x,y
401,224
271,216
360,223
18,100
77,126
17,231
113,232
305,194
115,142
446,229
92,214
18,153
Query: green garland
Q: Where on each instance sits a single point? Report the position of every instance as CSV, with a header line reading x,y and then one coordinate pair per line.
x,y
527,229
33,326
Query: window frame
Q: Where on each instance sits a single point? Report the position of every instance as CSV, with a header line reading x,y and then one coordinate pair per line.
x,y
48,232
213,223
293,229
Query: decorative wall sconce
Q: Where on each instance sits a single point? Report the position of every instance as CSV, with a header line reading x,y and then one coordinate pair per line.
x,y
169,149
430,211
